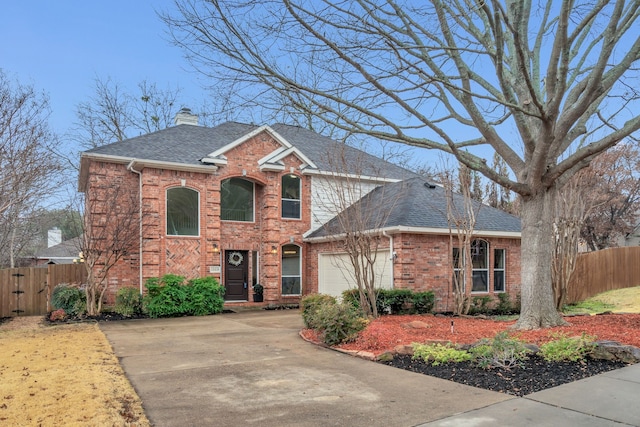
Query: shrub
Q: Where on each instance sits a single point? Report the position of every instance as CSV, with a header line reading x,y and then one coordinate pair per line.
x,y
352,297
310,304
503,352
166,296
564,348
169,296
423,302
480,305
57,315
504,305
391,301
69,298
437,354
205,296
128,302
339,323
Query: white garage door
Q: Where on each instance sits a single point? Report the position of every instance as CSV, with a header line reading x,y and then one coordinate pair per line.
x,y
335,273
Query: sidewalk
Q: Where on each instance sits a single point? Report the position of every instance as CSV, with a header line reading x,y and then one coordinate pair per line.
x,y
609,399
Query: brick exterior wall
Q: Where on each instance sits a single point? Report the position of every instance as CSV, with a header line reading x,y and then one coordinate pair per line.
x,y
192,256
422,260
423,264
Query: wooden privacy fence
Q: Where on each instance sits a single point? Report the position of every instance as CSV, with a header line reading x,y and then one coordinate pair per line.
x,y
605,270
26,291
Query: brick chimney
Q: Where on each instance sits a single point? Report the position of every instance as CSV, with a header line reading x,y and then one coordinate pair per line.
x,y
185,117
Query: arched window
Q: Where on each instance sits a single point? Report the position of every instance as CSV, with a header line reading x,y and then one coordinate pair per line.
x,y
290,196
236,200
291,270
480,263
183,212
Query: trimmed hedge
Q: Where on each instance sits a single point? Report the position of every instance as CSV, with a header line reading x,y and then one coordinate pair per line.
x,y
169,296
396,301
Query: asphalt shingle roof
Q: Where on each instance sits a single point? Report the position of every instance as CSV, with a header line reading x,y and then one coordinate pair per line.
x,y
68,248
419,204
188,144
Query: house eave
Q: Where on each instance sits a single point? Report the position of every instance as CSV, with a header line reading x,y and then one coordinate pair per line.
x,y
328,174
417,230
137,164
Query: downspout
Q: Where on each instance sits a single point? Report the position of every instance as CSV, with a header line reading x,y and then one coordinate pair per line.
x,y
139,173
392,256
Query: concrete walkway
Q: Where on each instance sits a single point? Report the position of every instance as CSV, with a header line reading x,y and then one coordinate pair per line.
x,y
252,368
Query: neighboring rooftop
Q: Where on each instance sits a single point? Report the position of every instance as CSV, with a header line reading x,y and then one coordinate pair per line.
x,y
63,253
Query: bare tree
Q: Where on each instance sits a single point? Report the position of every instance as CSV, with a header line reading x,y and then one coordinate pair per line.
x,y
612,190
360,204
546,85
570,211
29,173
498,196
461,217
115,114
111,234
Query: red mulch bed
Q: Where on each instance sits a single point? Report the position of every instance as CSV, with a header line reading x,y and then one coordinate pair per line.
x,y
387,332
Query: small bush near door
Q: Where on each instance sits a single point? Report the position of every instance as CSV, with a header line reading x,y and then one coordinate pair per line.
x,y
169,296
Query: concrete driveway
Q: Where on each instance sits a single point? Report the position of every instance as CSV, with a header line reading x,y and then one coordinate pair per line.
x,y
252,368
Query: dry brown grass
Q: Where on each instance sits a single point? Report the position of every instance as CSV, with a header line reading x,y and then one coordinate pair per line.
x,y
62,375
625,300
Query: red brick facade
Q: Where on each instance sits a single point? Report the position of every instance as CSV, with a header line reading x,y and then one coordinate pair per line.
x,y
197,256
421,263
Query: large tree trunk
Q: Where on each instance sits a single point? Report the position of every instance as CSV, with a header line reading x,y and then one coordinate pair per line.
x,y
538,305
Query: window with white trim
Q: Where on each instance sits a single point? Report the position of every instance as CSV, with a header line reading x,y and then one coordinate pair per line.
x,y
183,212
290,196
236,200
498,270
291,270
480,266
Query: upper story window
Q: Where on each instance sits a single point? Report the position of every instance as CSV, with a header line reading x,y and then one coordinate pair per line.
x,y
290,196
237,200
183,212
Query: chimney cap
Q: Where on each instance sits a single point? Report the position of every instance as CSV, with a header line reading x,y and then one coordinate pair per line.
x,y
186,117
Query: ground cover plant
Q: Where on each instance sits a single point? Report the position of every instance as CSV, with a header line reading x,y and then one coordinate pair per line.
x,y
563,352
531,374
62,375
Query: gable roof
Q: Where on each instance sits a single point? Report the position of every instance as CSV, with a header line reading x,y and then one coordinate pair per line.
x,y
417,206
188,146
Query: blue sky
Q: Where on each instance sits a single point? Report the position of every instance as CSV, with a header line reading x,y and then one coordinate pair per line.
x,y
61,47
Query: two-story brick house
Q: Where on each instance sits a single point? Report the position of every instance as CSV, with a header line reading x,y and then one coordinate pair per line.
x,y
245,203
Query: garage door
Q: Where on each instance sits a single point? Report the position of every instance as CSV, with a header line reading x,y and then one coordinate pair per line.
x,y
335,273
